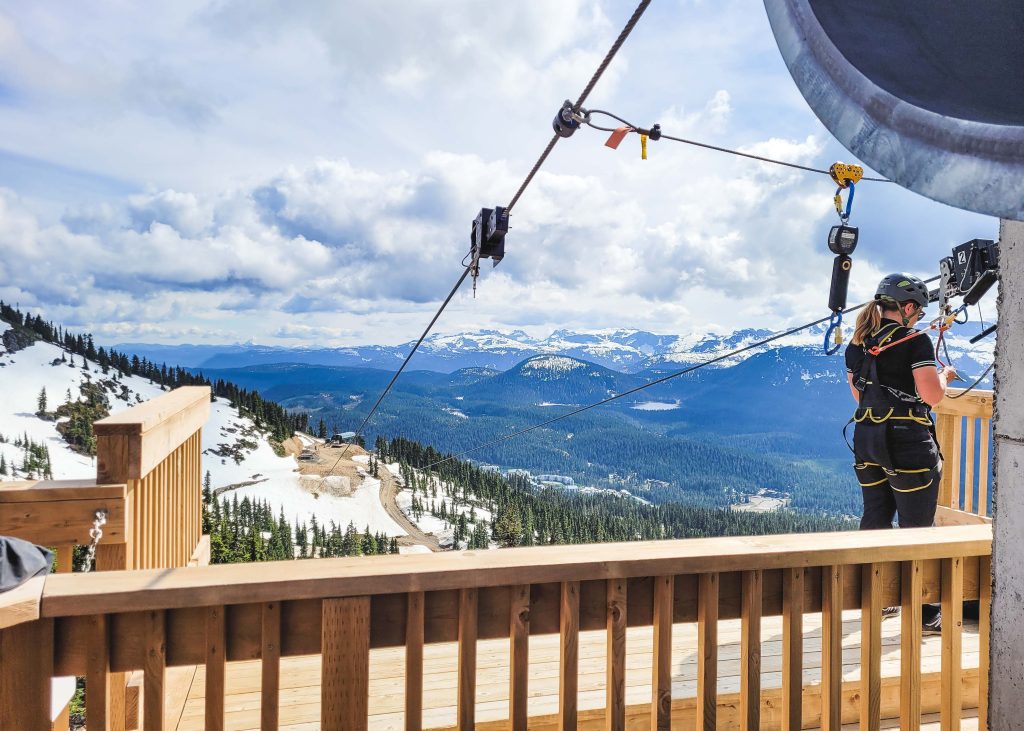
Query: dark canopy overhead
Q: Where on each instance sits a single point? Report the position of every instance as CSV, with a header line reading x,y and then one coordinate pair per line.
x,y
928,93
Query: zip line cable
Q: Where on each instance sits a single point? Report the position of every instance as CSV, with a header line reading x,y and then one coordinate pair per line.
x,y
587,121
387,389
595,77
670,376
602,67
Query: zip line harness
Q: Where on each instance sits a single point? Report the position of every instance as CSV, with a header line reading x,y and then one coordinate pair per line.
x,y
842,240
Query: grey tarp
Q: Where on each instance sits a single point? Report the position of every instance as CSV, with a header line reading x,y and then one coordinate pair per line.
x,y
20,561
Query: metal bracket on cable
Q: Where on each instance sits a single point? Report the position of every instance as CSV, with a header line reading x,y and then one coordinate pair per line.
x,y
487,239
568,120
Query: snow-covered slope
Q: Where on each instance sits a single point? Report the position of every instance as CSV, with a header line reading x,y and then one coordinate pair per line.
x,y
236,454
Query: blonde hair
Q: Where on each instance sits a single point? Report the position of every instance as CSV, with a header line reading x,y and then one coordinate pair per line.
x,y
870,319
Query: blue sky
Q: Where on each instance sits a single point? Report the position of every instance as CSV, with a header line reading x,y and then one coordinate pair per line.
x,y
305,174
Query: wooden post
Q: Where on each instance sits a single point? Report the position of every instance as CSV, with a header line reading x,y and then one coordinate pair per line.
x,y
270,665
832,647
26,651
615,676
707,652
750,650
568,653
345,663
414,661
911,586
871,647
792,648
114,557
154,671
952,626
467,659
519,655
661,662
216,659
97,675
984,635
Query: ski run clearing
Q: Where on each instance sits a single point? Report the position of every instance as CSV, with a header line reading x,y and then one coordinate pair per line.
x,y
239,458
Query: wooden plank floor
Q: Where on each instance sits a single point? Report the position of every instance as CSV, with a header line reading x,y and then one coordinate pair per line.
x,y
300,676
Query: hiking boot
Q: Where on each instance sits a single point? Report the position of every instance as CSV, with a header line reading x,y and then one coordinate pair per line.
x,y
890,612
932,626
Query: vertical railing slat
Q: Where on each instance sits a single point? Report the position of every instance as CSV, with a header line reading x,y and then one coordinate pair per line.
x,y
969,467
154,671
661,662
467,659
345,663
871,647
983,466
984,635
519,655
414,661
615,675
97,674
944,432
707,652
832,647
954,466
216,664
568,654
952,625
270,665
750,649
792,648
911,589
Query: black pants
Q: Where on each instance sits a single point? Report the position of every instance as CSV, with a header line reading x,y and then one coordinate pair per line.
x,y
898,468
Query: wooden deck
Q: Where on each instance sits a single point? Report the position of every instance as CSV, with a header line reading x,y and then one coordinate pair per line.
x,y
300,680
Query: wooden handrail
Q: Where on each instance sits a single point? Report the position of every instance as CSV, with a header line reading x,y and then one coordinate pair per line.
x,y
129,445
340,577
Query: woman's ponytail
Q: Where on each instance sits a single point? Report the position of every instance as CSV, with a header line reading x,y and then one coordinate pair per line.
x,y
868,321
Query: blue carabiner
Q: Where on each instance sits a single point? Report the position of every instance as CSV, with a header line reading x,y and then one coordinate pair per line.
x,y
849,200
834,322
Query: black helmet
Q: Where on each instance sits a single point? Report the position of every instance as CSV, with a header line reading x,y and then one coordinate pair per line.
x,y
899,288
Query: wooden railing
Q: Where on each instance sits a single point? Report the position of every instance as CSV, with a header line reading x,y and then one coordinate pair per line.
x,y
112,622
148,485
155,449
964,428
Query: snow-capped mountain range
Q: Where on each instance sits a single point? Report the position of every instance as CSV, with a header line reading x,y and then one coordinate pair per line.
x,y
624,350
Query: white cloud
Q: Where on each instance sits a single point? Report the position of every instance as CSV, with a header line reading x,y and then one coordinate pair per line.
x,y
308,171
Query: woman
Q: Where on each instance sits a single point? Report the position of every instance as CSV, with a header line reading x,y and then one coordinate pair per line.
x,y
892,373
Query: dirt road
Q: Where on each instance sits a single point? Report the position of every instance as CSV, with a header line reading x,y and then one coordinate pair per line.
x,y
388,493
327,462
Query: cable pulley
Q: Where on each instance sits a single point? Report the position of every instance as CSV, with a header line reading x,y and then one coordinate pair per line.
x,y
487,239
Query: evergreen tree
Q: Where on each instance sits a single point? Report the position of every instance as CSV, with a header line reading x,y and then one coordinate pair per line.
x,y
41,403
509,527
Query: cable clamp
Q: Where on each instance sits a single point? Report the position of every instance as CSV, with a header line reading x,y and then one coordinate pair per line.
x,y
568,119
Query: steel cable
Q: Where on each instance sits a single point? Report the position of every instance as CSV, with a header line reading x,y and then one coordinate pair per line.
x,y
595,77
716,148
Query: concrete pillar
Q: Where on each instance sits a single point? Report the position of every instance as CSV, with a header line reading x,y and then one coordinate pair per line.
x,y
1007,649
